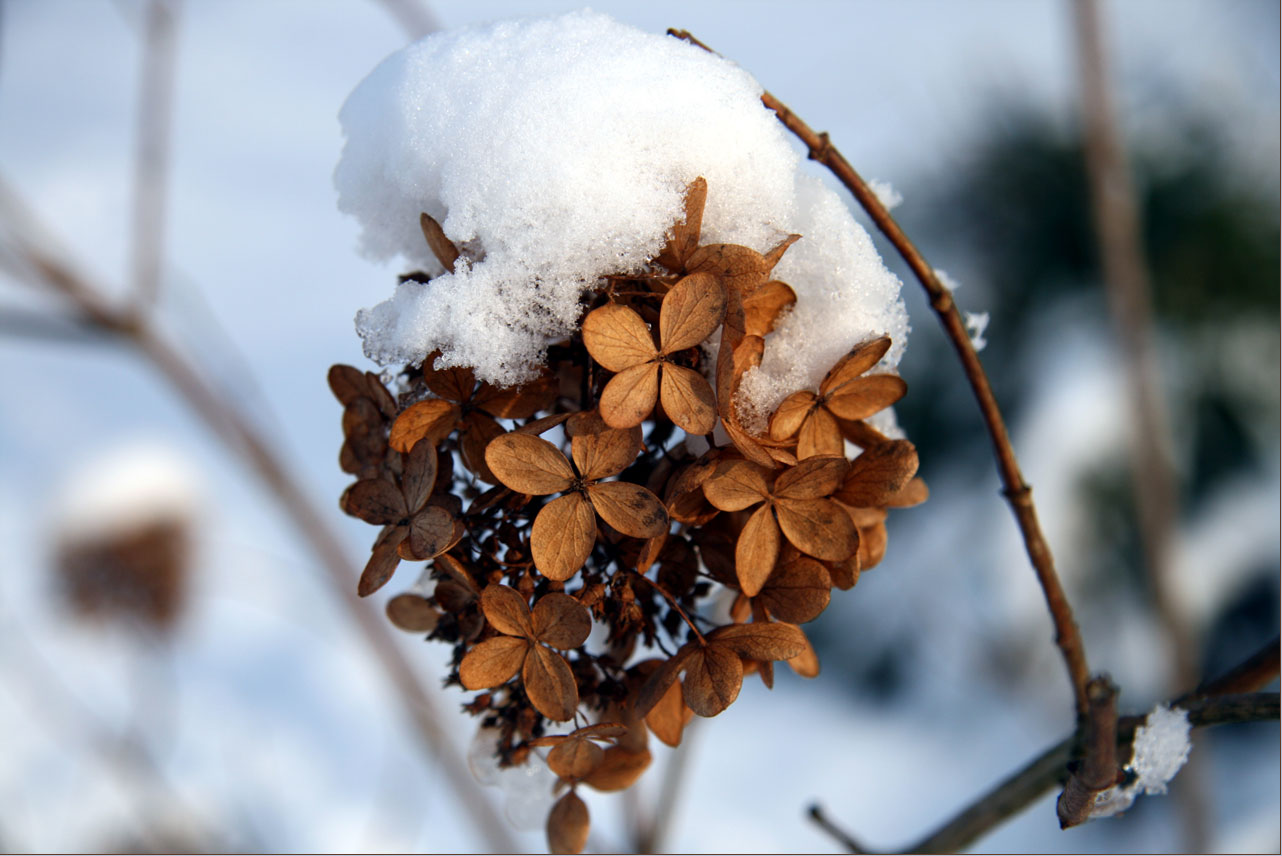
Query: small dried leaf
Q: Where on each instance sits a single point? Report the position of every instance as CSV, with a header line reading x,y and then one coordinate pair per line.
x,y
412,613
812,478
629,508
690,312
550,684
561,621
860,359
442,247
687,399
382,562
797,591
528,464
866,396
713,678
756,550
375,501
819,435
568,825
617,338
818,527
762,308
493,662
563,536
878,474
505,609
630,395
432,419
736,485
619,769
419,476
575,758
667,719
760,640
603,453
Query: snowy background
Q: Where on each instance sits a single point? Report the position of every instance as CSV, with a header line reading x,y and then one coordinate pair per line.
x,y
272,727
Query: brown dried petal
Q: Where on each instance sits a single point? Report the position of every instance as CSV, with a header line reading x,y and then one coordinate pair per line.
x,y
506,611
568,825
797,591
517,402
759,640
630,395
775,253
493,662
812,478
603,453
736,485
419,476
528,464
667,719
454,383
913,493
617,338
442,247
619,769
479,430
375,501
685,234
713,678
360,417
819,435
432,531
543,423
432,419
791,414
818,527
736,266
347,384
412,613
382,562
575,758
562,536
806,664
690,312
866,396
762,308
687,399
659,682
550,684
872,545
756,550
860,359
630,508
561,621
878,474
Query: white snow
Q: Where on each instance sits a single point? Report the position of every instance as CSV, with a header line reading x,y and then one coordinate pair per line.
x,y
1160,749
886,193
976,324
556,150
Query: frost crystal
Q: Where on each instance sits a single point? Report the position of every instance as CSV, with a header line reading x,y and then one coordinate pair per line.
x,y
554,151
886,193
1161,747
976,324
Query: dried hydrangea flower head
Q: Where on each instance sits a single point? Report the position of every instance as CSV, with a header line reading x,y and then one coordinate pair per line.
x,y
575,442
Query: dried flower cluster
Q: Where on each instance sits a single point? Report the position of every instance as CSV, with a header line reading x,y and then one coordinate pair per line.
x,y
553,575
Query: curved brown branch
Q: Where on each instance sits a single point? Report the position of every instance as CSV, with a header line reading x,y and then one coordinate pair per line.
x,y
1016,490
1220,702
226,421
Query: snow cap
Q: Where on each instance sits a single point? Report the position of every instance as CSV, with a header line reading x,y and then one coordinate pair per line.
x,y
556,150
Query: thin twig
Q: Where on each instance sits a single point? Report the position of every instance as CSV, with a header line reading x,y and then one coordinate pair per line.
x,y
151,159
1098,770
224,419
1129,288
1026,785
1017,492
